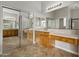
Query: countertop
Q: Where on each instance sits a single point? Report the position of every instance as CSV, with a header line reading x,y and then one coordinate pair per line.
x,y
64,34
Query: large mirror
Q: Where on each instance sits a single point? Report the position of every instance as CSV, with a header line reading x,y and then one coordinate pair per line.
x,y
75,23
51,23
40,22
56,23
64,18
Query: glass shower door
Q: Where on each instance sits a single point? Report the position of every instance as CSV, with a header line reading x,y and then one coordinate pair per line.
x,y
10,30
27,30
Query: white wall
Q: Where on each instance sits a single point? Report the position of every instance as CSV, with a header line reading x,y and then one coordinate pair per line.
x,y
63,12
44,4
24,5
75,13
47,4
75,10
1,35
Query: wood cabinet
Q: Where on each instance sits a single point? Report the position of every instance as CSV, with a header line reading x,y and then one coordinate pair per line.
x,y
77,41
10,32
37,35
66,39
29,35
44,39
52,40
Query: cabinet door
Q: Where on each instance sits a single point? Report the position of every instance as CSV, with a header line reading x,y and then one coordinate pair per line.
x,y
76,42
12,33
9,33
4,33
51,40
45,40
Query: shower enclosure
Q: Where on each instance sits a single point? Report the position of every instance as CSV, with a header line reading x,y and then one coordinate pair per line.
x,y
10,29
17,29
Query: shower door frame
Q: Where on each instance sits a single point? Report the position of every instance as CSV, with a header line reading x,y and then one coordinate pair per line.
x,y
19,19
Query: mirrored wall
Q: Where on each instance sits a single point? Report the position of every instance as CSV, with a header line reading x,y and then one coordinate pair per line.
x,y
59,23
40,22
65,18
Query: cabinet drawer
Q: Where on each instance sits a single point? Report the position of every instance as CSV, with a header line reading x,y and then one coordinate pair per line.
x,y
44,33
58,38
64,39
72,41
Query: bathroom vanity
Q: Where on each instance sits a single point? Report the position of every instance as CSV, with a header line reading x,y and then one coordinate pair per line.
x,y
10,32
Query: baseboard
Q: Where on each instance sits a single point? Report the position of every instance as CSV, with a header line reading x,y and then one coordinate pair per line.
x,y
67,50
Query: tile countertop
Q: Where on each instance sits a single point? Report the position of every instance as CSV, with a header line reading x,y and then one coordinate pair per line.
x,y
51,32
42,30
75,36
66,35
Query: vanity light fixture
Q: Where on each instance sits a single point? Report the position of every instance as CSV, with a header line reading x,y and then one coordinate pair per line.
x,y
55,6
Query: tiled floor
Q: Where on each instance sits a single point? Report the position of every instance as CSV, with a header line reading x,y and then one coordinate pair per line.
x,y
29,50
